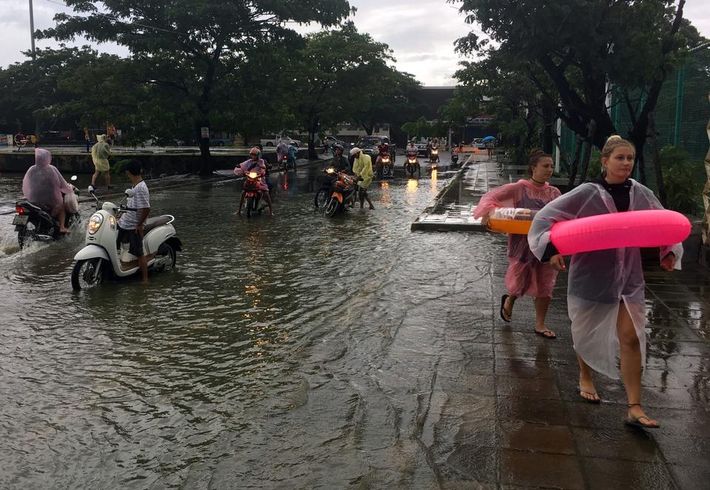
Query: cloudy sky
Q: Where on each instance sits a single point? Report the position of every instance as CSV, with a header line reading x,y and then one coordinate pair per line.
x,y
420,32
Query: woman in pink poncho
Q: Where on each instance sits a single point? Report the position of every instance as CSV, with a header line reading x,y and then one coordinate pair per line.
x,y
526,275
43,185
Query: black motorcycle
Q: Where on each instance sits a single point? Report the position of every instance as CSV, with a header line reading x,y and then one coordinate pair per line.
x,y
32,223
411,165
327,180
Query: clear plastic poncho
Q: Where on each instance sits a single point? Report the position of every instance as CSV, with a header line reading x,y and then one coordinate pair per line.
x,y
600,282
43,184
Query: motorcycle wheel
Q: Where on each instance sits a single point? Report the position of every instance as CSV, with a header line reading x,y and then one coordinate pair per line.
x,y
165,257
87,274
251,206
321,198
332,207
411,169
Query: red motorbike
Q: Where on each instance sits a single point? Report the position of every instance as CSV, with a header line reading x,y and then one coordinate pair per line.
x,y
252,192
384,164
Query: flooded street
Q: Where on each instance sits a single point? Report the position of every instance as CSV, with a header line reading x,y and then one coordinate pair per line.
x,y
305,352
288,351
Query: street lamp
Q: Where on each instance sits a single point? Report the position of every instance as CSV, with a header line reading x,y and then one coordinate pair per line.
x,y
32,29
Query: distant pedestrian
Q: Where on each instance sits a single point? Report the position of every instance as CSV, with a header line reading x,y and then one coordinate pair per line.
x,y
605,294
100,154
362,167
526,275
87,139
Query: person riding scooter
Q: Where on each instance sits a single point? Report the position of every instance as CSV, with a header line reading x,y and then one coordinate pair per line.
x,y
258,165
130,224
43,185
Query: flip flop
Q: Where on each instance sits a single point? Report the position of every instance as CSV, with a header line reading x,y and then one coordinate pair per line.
x,y
505,316
637,422
547,333
593,401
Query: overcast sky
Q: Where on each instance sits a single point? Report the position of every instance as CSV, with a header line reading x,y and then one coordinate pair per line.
x,y
420,32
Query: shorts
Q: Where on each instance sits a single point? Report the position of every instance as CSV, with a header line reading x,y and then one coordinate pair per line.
x,y
101,165
134,240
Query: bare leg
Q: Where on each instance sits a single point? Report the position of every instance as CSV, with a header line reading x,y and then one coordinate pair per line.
x,y
94,177
267,198
586,383
509,303
367,198
107,176
241,203
541,307
361,193
143,265
631,364
60,215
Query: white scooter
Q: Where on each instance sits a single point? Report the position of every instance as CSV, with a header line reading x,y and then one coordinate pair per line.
x,y
101,255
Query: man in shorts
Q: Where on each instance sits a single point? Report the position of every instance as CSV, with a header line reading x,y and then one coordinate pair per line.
x,y
130,226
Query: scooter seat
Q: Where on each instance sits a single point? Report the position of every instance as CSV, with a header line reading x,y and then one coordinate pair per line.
x,y
151,223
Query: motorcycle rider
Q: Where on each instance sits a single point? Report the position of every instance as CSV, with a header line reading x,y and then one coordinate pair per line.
x,y
130,224
259,165
412,148
340,163
362,168
292,153
43,185
281,150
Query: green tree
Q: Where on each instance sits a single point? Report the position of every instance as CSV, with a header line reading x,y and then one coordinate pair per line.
x,y
328,77
190,47
577,49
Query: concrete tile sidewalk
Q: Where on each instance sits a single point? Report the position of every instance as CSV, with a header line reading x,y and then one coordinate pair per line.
x,y
511,403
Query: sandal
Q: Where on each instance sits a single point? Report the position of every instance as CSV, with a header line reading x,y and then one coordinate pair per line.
x,y
642,422
547,333
590,396
504,314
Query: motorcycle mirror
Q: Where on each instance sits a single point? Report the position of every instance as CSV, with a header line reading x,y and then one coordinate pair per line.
x,y
73,178
129,192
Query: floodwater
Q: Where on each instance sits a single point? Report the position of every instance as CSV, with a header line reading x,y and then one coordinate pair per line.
x,y
293,351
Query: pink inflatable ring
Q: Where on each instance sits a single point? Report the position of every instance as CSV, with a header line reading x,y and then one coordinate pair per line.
x,y
649,228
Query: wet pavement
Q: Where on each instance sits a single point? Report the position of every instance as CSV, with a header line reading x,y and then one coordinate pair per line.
x,y
306,352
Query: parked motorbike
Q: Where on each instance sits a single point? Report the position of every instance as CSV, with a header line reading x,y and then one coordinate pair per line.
x,y
344,192
33,223
103,257
411,165
252,193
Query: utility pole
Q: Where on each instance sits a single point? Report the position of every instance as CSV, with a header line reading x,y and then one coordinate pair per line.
x,y
32,29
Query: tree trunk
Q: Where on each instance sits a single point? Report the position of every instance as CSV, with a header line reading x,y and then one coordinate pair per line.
x,y
653,136
574,164
588,150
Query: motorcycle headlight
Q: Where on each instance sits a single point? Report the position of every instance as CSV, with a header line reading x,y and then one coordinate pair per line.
x,y
330,170
95,223
253,175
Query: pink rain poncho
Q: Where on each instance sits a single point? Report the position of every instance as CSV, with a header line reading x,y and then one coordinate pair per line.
x,y
600,282
43,184
526,275
259,166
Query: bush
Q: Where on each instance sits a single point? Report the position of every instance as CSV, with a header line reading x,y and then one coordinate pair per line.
x,y
684,180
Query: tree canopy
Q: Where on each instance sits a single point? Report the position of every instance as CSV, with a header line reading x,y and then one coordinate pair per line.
x,y
575,51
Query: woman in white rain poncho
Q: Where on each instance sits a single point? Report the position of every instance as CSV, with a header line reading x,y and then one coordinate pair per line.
x,y
606,288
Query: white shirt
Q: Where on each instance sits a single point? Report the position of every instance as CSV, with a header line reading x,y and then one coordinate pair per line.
x,y
140,200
